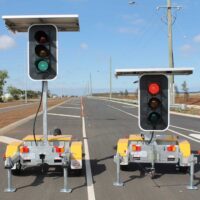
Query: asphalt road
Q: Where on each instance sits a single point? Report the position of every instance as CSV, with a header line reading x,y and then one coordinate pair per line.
x,y
105,123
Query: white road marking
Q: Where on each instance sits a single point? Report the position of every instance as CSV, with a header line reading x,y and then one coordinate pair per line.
x,y
197,136
128,106
123,111
185,129
171,112
62,115
177,133
185,136
8,140
68,107
90,185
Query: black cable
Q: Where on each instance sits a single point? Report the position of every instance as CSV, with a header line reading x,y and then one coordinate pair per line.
x,y
152,134
34,123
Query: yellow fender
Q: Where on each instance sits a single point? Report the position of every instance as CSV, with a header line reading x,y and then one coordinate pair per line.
x,y
122,147
76,150
185,148
12,149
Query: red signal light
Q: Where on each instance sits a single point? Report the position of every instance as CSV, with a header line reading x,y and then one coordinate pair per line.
x,y
154,88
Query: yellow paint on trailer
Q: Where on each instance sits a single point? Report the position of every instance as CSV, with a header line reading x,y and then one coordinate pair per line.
x,y
76,150
168,138
185,148
31,138
50,138
122,147
60,138
12,149
135,137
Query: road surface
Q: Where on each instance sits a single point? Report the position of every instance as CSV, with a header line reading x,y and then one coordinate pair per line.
x,y
100,127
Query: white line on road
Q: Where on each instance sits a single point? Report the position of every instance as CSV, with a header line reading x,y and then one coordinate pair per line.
x,y
62,115
185,136
69,107
129,107
90,185
123,111
185,129
197,136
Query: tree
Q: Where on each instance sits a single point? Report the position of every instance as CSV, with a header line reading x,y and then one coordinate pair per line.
x,y
15,92
185,90
121,93
177,90
126,92
3,77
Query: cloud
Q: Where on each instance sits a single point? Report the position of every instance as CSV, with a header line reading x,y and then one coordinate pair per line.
x,y
128,30
84,46
6,42
186,48
197,38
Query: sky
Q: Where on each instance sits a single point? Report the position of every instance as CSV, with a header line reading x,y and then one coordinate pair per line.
x,y
131,36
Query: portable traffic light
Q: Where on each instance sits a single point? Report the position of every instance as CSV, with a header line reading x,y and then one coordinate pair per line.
x,y
42,52
154,104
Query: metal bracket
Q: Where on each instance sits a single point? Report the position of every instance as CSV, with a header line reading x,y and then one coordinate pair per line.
x,y
118,182
191,185
9,188
65,188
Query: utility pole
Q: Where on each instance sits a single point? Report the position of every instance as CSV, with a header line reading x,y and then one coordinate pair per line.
x,y
88,88
25,90
110,77
90,84
170,46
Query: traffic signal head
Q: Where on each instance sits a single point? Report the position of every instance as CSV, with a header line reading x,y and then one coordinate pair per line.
x,y
42,52
153,103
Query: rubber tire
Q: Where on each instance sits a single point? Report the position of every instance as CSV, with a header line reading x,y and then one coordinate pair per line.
x,y
184,170
124,167
75,172
17,171
152,174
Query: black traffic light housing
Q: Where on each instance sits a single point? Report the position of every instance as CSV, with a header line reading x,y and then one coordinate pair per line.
x,y
153,102
42,56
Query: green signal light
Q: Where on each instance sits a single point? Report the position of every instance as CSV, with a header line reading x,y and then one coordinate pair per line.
x,y
42,65
154,117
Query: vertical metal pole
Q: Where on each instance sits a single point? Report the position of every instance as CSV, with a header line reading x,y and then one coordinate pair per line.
x,y
170,45
118,181
25,90
110,77
191,185
10,188
65,189
45,128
